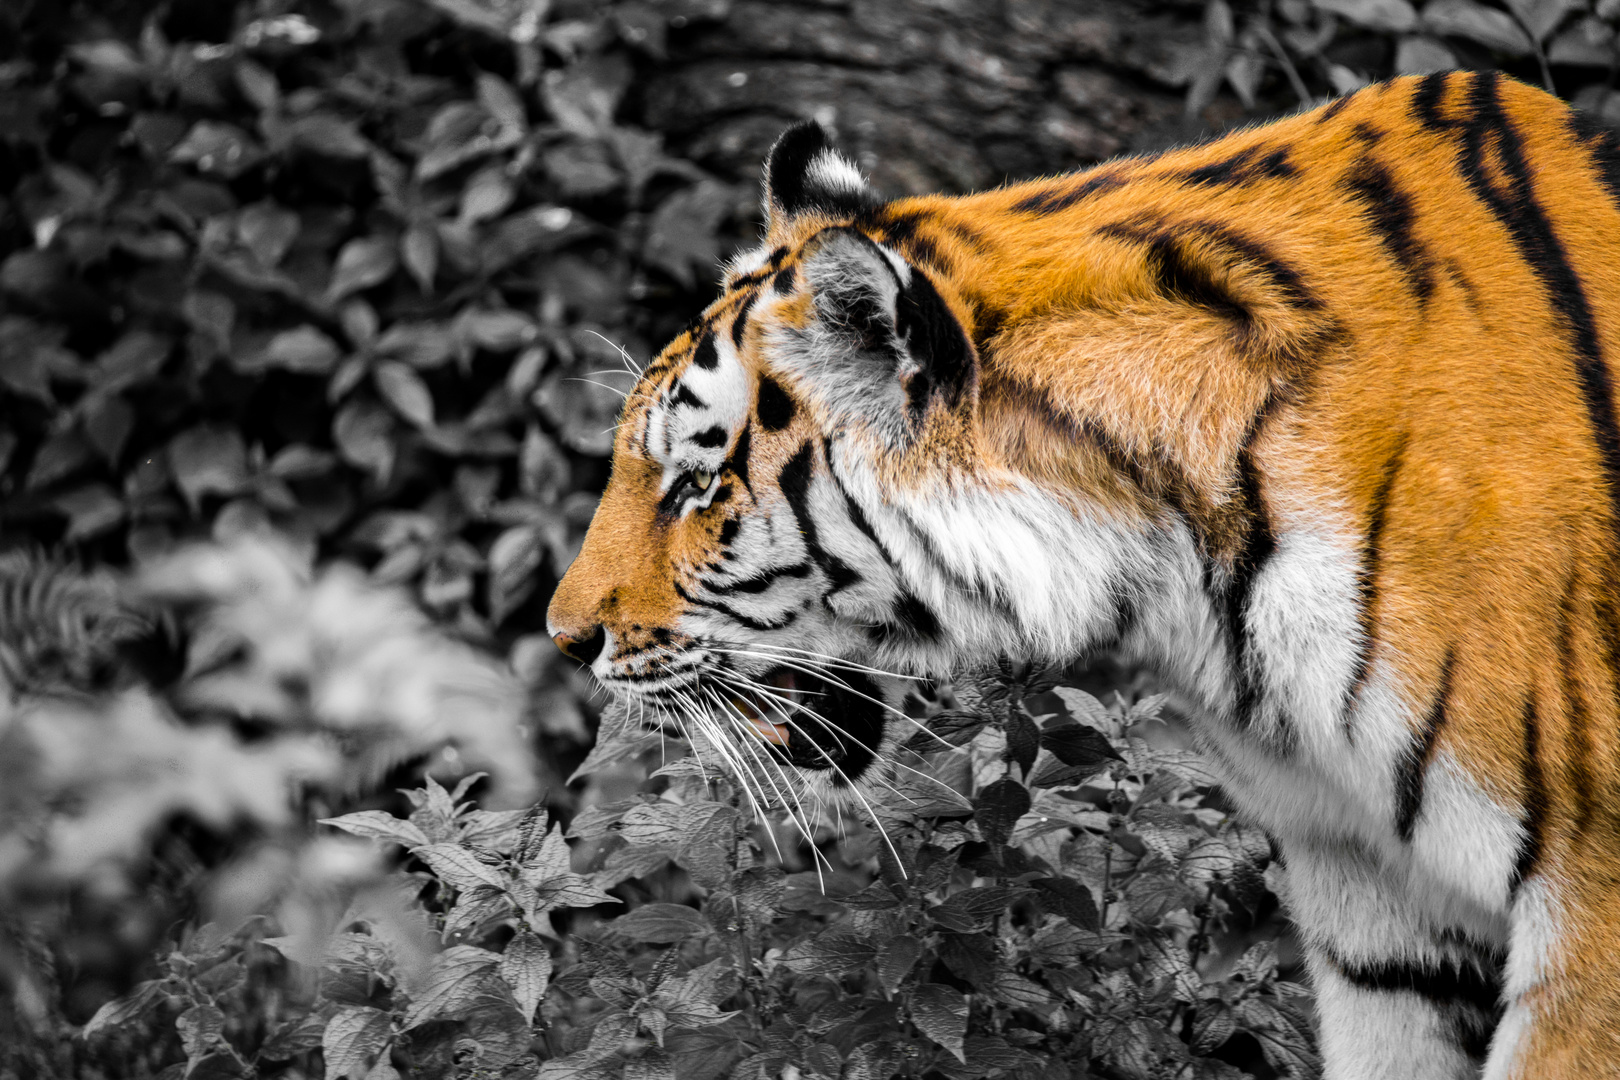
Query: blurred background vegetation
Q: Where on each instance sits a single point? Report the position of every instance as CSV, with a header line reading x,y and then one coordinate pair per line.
x,y
314,316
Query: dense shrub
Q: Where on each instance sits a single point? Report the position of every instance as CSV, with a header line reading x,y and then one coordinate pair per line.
x,y
365,277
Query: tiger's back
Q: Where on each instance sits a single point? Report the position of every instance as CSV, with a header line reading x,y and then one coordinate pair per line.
x,y
1319,418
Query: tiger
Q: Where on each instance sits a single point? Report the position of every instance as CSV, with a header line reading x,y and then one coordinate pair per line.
x,y
1316,418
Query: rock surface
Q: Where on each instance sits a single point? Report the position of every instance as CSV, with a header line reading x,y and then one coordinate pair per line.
x,y
928,95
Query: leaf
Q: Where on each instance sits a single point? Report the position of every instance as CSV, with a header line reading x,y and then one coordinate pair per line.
x,y
971,957
201,1029
91,511
682,234
487,195
380,825
1422,56
974,909
107,423
211,315
303,349
502,102
1020,991
661,924
1542,17
1023,741
208,460
458,866
998,808
267,230
258,85
830,953
364,432
664,823
899,957
123,1010
422,345
133,359
419,249
941,1014
946,730
1069,899
219,148
62,455
526,968
1476,22
653,1064
458,979
354,1035
404,389
362,263
1084,708
1391,16
1080,746
329,135
498,331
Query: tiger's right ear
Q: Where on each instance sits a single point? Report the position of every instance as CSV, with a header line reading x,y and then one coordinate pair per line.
x,y
804,174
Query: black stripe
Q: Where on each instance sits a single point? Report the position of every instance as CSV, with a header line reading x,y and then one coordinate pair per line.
x,y
1366,133
773,406
732,613
1520,213
936,341
1331,109
1444,981
1388,210
1426,101
857,517
1372,555
1283,278
1410,773
1243,167
1577,734
1190,282
683,396
1601,141
1544,253
705,355
739,323
708,438
737,460
782,283
759,582
910,611
1051,200
794,481
1535,795
1256,549
728,531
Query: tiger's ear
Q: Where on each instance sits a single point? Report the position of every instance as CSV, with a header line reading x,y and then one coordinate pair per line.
x,y
886,342
804,174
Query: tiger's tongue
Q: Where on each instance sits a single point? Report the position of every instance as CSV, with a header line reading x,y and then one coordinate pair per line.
x,y
775,734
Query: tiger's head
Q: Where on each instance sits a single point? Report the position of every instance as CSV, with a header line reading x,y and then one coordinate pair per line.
x,y
803,495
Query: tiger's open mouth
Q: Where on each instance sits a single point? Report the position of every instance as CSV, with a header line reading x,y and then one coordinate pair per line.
x,y
816,722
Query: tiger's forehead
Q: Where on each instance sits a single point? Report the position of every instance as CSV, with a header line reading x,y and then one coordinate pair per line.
x,y
698,390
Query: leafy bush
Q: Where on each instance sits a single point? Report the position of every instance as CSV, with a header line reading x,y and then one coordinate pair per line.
x,y
365,275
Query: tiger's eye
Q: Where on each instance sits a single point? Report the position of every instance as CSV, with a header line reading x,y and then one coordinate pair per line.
x,y
703,480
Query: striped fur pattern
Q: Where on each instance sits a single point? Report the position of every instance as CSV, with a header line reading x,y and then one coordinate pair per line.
x,y
1319,418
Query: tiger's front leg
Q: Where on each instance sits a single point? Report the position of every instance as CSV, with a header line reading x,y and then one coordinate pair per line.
x,y
1400,995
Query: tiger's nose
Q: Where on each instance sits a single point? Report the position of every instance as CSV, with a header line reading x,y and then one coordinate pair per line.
x,y
584,647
